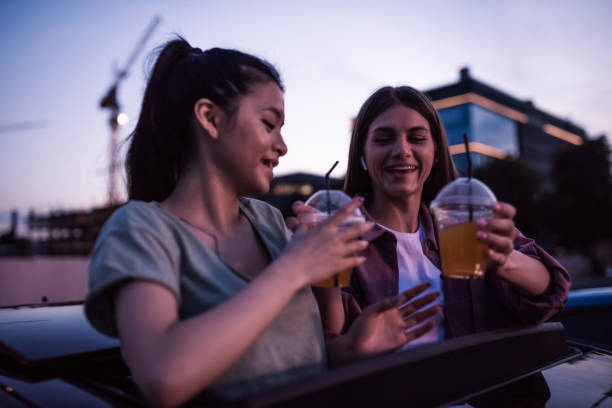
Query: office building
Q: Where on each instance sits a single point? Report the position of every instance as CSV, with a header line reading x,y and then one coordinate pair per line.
x,y
499,125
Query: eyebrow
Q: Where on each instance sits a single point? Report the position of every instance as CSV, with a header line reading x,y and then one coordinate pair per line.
x,y
274,110
387,129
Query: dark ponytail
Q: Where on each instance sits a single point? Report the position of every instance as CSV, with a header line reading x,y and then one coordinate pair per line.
x,y
163,140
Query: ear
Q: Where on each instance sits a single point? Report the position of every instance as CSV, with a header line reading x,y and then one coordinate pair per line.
x,y
207,115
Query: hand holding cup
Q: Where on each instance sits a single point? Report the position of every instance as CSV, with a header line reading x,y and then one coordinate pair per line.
x,y
498,233
320,250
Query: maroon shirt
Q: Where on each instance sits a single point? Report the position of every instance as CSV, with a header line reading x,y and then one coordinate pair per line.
x,y
470,305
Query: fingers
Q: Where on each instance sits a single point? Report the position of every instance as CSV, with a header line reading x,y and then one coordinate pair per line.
x,y
497,243
354,231
400,300
502,223
306,215
350,263
500,226
498,233
339,216
504,210
419,303
356,246
423,315
421,330
406,295
383,305
298,207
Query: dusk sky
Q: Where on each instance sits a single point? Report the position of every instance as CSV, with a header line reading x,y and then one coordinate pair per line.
x,y
59,56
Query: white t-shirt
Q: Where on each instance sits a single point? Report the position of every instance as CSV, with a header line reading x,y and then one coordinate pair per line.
x,y
414,268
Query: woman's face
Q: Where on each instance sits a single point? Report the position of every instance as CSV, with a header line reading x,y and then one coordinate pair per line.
x,y
399,153
250,141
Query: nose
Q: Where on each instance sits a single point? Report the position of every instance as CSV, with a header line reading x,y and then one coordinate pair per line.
x,y
279,145
401,148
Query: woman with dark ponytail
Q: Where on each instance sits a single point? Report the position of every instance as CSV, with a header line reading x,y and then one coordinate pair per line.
x,y
207,290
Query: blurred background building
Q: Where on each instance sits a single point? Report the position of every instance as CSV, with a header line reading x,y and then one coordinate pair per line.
x,y
500,126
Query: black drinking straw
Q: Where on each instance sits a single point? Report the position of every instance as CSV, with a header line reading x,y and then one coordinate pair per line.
x,y
336,282
327,185
469,160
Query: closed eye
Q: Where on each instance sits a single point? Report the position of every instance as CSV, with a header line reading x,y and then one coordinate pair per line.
x,y
268,124
418,136
382,139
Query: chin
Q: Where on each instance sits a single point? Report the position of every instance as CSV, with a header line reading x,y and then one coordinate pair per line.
x,y
256,189
402,193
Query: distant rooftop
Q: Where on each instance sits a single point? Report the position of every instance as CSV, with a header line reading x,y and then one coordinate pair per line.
x,y
469,89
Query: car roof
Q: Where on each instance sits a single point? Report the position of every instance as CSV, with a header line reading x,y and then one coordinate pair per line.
x,y
57,336
44,335
590,297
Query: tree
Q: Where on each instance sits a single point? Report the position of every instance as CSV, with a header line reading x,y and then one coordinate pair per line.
x,y
580,210
514,182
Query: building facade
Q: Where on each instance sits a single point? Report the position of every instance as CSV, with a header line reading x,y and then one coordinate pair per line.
x,y
499,125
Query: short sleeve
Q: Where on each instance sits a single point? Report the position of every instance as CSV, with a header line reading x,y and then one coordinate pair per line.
x,y
127,251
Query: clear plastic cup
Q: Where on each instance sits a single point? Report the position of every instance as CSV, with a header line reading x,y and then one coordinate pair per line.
x,y
456,209
326,202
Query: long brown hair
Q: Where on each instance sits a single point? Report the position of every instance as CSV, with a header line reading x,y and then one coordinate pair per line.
x,y
358,180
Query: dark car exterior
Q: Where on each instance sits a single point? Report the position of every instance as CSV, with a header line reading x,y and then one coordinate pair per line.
x,y
51,356
587,317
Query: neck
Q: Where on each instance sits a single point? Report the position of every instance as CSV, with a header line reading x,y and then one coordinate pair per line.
x,y
202,198
397,214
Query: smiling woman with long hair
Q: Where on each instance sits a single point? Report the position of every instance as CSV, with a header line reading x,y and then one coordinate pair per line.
x,y
398,161
206,288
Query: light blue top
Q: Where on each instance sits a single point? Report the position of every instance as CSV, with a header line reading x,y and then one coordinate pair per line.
x,y
145,242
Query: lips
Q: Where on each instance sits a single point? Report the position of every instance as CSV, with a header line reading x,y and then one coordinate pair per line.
x,y
271,163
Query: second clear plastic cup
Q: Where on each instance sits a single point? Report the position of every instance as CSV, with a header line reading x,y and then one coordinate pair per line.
x,y
456,208
326,202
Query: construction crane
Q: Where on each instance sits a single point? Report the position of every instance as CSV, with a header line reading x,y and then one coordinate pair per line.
x,y
20,126
118,119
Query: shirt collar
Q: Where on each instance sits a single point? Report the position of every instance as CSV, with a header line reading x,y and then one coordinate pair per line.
x,y
425,220
428,227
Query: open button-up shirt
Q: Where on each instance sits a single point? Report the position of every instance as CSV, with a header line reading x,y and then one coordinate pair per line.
x,y
470,305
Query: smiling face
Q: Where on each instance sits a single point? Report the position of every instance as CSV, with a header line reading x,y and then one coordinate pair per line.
x,y
399,153
250,142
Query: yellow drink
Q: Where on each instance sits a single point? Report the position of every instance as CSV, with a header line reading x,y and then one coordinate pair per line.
x,y
463,255
342,278
339,280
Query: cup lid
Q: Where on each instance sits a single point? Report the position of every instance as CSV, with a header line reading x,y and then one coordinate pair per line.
x,y
332,198
464,191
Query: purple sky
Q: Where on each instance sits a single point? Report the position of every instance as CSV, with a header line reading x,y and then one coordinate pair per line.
x,y
58,58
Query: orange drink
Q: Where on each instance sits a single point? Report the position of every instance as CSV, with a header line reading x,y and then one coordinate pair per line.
x,y
463,255
456,208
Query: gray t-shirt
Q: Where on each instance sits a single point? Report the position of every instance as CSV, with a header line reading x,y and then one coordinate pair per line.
x,y
143,241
